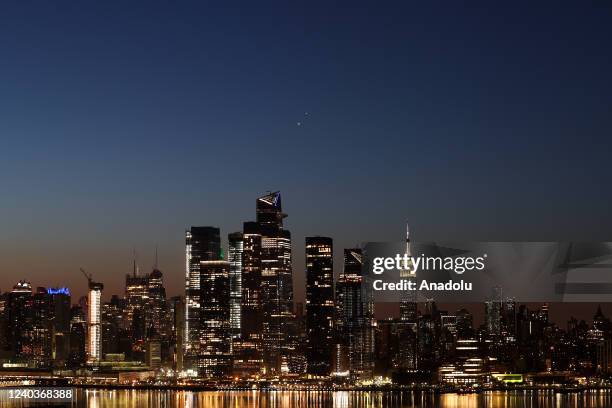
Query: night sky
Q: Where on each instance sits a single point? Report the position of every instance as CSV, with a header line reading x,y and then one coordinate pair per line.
x,y
123,124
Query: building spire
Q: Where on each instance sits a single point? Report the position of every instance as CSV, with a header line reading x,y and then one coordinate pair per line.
x,y
408,240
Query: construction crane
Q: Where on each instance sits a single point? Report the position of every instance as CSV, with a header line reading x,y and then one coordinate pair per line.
x,y
87,275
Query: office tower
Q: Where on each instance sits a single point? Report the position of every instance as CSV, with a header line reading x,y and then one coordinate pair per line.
x,y
236,248
319,304
137,299
157,323
145,311
248,351
94,320
354,316
276,283
214,348
201,244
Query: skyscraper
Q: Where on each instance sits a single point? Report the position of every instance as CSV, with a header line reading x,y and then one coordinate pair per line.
x,y
17,327
214,346
78,343
248,352
137,298
236,249
94,320
408,304
276,282
354,316
178,325
408,328
60,324
201,244
157,322
319,304
493,312
41,329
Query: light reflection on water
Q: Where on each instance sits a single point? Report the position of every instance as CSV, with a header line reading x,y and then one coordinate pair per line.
x,y
339,399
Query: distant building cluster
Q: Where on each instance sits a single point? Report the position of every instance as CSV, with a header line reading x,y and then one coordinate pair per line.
x,y
238,319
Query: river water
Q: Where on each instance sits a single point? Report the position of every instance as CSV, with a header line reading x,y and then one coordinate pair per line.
x,y
299,399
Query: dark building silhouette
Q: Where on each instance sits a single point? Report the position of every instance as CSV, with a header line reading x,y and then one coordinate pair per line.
x,y
319,304
78,335
59,316
18,323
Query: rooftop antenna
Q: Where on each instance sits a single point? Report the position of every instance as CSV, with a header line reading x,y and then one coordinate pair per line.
x,y
156,264
135,265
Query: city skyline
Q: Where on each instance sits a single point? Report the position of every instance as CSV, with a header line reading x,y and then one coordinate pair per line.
x,y
193,340
222,248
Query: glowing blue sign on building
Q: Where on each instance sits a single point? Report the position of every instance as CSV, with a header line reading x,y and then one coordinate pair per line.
x,y
58,291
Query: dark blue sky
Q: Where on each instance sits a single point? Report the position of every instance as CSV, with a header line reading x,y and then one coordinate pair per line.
x,y
123,124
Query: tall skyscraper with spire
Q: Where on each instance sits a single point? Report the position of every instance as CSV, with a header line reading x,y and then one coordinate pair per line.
x,y
409,326
408,304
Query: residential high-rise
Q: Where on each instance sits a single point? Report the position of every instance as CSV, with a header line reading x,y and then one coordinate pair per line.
x,y
236,249
201,244
319,304
94,320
